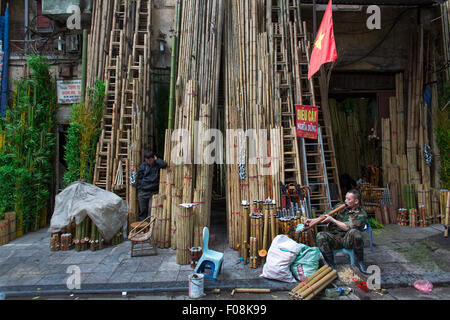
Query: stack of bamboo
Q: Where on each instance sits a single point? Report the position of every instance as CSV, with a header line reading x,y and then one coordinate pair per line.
x,y
4,229
189,177
313,285
253,168
444,196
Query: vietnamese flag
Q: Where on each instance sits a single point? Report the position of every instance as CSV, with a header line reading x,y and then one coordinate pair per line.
x,y
324,47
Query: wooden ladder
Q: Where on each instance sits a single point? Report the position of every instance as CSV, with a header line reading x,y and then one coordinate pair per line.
x,y
285,91
103,168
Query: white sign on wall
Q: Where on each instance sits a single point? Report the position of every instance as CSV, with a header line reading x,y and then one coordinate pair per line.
x,y
69,91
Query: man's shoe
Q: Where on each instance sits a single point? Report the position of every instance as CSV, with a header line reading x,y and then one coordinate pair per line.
x,y
329,259
359,257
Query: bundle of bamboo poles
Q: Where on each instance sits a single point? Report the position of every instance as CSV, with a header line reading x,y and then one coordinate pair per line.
x,y
313,285
447,216
424,205
443,195
189,178
253,168
81,240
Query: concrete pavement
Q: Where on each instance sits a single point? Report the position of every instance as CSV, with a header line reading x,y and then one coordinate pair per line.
x,y
28,267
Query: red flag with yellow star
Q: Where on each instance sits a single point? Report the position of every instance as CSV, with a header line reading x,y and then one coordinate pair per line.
x,y
324,47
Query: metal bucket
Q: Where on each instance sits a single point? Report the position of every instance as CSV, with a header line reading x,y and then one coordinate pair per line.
x,y
196,286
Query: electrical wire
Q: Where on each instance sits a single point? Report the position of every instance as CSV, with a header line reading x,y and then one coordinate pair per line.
x,y
397,20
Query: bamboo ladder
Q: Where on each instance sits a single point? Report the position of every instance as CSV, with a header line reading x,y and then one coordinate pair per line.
x,y
105,147
284,92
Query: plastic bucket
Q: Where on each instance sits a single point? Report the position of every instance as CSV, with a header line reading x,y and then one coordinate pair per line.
x,y
196,286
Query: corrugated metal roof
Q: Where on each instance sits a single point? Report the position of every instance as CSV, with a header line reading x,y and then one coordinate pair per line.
x,y
379,2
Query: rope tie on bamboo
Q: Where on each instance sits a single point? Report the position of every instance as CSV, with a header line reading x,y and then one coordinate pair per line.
x,y
192,94
237,213
188,178
185,215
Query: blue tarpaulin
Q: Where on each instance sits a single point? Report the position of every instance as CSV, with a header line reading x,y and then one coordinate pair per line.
x,y
4,35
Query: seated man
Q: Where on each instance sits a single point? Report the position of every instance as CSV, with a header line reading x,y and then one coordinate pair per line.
x,y
344,231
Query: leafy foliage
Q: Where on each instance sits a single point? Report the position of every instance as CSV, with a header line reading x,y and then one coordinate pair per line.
x,y
26,159
83,134
443,136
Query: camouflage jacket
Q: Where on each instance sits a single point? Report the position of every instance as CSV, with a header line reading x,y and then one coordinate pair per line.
x,y
354,219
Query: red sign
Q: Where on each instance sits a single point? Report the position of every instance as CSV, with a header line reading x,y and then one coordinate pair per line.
x,y
307,121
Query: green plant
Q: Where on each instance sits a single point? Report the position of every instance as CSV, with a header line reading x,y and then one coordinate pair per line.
x,y
29,129
82,136
374,224
443,136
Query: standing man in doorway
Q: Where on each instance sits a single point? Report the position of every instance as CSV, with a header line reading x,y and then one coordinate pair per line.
x,y
344,231
148,182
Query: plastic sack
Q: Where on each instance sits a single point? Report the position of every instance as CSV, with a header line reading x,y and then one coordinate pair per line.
x,y
281,254
107,210
306,263
423,285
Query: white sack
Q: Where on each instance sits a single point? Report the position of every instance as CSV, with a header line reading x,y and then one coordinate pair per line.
x,y
282,253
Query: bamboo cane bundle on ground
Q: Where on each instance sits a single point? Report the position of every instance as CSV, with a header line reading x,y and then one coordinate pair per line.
x,y
200,37
411,152
443,194
93,245
175,212
424,199
11,218
402,161
54,239
309,288
164,221
245,217
447,216
435,205
385,147
402,216
199,218
393,105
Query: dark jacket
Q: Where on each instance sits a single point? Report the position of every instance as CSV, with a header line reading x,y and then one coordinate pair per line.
x,y
148,176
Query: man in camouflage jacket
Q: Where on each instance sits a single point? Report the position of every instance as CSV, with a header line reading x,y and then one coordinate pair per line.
x,y
344,231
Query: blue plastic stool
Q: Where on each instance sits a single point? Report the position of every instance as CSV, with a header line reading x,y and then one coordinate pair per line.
x,y
347,251
368,229
210,259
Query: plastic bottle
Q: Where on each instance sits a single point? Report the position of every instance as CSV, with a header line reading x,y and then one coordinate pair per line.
x,y
336,292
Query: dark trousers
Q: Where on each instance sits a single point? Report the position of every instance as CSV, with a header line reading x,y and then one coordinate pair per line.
x,y
145,203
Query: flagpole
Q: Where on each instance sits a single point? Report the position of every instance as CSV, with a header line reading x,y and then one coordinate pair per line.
x,y
314,20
